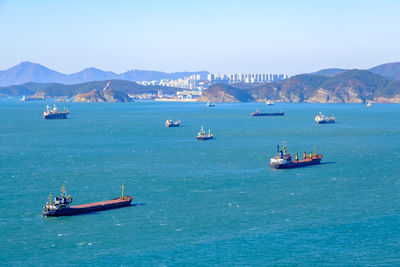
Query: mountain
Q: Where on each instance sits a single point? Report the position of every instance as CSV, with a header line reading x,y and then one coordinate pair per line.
x,y
328,72
225,93
33,72
53,90
108,95
62,90
353,86
89,75
29,72
389,70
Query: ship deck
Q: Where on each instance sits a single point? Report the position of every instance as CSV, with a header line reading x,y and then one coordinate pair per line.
x,y
102,203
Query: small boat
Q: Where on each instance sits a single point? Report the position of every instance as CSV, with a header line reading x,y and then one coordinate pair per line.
x,y
210,105
53,113
202,135
286,161
269,102
171,123
59,206
321,119
258,113
369,105
24,98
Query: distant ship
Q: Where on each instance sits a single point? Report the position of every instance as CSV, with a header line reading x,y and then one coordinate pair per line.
x,y
269,102
54,114
321,119
369,105
171,123
59,206
210,105
258,113
202,135
286,161
24,98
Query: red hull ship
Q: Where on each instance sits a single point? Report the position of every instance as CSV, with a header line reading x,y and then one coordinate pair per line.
x,y
286,161
59,207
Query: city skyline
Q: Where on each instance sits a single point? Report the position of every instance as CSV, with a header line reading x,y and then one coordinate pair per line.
x,y
221,37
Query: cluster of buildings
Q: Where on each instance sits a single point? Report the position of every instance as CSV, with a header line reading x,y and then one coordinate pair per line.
x,y
192,82
246,78
194,85
196,82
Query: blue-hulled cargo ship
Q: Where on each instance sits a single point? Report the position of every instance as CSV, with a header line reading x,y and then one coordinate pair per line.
x,y
59,206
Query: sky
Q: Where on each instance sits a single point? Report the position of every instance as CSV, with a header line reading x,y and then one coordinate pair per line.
x,y
249,36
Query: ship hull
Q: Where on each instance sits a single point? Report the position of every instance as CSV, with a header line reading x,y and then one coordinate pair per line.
x,y
325,122
267,114
88,208
204,138
172,125
58,116
296,164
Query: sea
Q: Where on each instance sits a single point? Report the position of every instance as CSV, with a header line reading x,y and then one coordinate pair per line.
x,y
200,203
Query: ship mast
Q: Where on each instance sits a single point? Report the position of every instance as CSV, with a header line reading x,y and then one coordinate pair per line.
x,y
63,191
284,148
122,196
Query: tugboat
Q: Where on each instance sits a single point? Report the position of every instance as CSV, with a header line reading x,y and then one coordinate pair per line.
x,y
53,113
287,161
258,113
59,206
202,135
171,123
321,119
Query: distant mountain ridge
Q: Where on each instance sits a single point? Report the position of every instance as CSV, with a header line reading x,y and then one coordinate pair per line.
x,y
389,70
53,90
353,86
32,72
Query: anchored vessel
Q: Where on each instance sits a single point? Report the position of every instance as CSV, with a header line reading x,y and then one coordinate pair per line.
x,y
258,113
287,161
269,102
24,98
53,113
202,135
59,206
321,119
171,123
210,104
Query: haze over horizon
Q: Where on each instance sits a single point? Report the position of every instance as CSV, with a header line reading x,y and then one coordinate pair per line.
x,y
222,37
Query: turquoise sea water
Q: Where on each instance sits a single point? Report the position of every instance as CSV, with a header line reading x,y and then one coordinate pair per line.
x,y
203,203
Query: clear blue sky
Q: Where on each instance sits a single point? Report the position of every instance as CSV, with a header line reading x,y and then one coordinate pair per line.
x,y
219,36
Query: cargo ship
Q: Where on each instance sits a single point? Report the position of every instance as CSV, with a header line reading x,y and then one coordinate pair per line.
x,y
54,114
59,206
171,123
286,161
321,119
202,135
258,113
